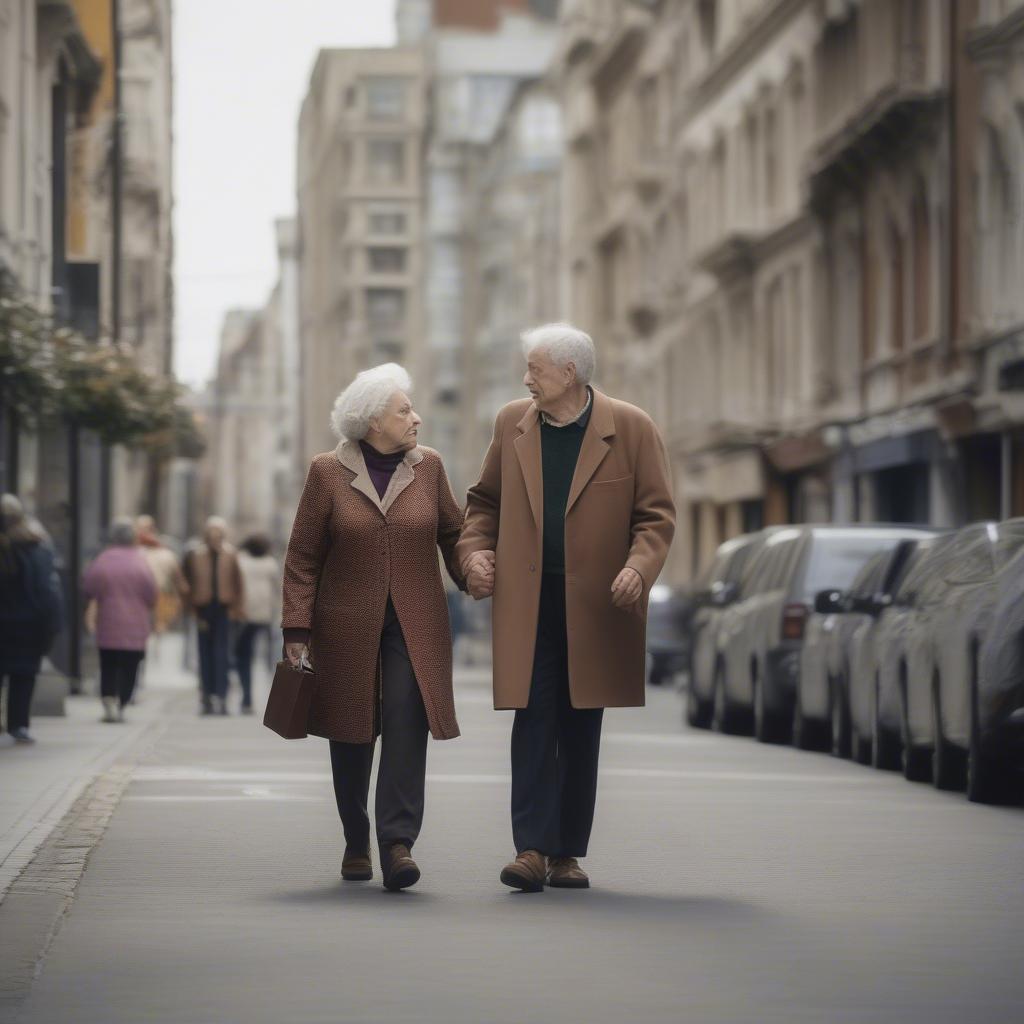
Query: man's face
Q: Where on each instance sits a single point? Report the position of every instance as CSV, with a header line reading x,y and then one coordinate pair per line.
x,y
546,381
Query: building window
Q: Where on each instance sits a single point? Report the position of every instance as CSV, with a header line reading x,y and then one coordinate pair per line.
x,y
388,350
387,222
386,259
922,266
385,98
386,161
385,308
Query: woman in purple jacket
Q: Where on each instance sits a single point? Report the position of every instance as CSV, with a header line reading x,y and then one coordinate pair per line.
x,y
125,592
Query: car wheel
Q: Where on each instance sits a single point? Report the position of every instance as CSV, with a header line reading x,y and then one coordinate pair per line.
x,y
767,727
840,720
698,712
947,764
860,747
725,718
806,732
885,747
917,763
984,782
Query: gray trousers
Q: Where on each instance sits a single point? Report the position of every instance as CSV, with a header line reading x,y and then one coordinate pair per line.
x,y
403,755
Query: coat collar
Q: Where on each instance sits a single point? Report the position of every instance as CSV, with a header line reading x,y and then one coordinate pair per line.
x,y
350,455
592,452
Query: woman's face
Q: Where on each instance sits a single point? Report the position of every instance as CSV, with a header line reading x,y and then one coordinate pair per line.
x,y
397,428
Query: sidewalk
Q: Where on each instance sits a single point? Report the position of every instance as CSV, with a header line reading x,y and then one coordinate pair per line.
x,y
42,782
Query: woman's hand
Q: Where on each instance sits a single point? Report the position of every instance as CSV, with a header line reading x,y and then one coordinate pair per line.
x,y
294,653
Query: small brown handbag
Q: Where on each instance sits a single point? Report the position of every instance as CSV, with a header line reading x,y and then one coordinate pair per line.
x,y
291,695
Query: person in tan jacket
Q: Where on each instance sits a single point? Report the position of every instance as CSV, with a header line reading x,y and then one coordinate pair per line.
x,y
216,596
567,528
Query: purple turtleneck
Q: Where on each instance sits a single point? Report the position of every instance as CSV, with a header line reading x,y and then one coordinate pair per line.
x,y
380,467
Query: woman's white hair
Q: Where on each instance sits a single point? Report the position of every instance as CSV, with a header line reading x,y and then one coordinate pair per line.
x,y
366,398
564,344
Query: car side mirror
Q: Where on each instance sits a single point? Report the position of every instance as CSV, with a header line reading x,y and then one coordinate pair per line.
x,y
873,605
829,602
723,593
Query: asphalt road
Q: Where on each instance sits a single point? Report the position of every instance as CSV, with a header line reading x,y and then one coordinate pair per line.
x,y
731,882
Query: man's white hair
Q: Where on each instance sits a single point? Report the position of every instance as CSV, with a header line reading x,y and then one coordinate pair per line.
x,y
564,344
366,398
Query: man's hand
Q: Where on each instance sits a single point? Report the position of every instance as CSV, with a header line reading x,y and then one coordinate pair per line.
x,y
627,588
294,653
479,570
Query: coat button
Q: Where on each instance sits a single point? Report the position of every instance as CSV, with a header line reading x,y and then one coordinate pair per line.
x,y
533,568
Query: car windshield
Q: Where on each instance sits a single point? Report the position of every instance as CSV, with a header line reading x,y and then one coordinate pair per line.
x,y
836,559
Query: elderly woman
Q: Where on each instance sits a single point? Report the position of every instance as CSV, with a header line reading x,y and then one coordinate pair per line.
x,y
364,600
125,591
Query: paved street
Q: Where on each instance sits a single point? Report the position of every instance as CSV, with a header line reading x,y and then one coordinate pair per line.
x,y
732,882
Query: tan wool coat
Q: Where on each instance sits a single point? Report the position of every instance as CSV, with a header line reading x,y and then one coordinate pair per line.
x,y
348,550
620,513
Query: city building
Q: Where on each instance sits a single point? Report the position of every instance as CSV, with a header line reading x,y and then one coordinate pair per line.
x,y
360,210
513,254
478,53
770,226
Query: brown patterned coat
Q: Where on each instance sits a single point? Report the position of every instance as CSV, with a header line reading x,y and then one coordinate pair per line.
x,y
620,513
348,549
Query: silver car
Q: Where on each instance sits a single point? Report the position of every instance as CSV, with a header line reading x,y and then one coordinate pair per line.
x,y
839,615
946,637
762,635
718,588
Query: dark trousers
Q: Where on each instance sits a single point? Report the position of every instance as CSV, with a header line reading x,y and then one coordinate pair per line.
x,y
403,755
20,687
555,746
214,629
118,672
245,644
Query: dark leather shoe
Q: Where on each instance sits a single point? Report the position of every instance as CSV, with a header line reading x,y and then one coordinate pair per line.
x,y
566,873
399,869
526,872
356,866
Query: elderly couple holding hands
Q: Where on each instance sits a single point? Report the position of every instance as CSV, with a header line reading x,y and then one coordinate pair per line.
x,y
567,529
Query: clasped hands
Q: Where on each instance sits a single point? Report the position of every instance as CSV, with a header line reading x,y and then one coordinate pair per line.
x,y
479,569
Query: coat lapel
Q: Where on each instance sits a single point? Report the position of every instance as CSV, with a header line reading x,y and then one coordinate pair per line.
x,y
350,455
527,447
594,447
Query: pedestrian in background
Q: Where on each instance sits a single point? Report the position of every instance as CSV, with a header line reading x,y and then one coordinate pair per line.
x,y
363,591
216,594
120,582
31,610
163,563
576,486
261,580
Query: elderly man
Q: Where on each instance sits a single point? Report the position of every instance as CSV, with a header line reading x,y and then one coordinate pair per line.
x,y
568,528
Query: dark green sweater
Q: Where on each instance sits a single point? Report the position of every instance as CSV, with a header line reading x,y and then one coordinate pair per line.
x,y
560,451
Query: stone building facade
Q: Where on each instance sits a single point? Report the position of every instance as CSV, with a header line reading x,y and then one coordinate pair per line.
x,y
513,254
769,226
360,212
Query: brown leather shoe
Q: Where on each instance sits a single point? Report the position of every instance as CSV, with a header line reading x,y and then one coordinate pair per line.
x,y
566,873
399,869
356,866
526,872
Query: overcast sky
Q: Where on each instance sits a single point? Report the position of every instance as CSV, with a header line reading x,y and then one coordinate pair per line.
x,y
241,71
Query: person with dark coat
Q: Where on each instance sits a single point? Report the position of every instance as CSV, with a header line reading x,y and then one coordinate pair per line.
x,y
364,601
125,591
31,604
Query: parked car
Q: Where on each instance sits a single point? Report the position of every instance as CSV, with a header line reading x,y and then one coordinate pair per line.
x,y
717,589
995,737
822,701
938,680
762,634
669,616
877,647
